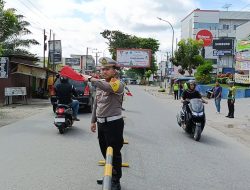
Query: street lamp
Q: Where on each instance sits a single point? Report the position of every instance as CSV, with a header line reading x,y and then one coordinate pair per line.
x,y
172,35
170,91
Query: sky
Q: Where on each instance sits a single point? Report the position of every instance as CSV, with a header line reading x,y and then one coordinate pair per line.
x,y
78,23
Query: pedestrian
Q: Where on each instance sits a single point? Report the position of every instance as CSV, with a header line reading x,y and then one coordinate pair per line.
x,y
107,113
231,99
217,92
176,90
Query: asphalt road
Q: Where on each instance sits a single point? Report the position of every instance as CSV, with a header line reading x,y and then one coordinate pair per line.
x,y
33,155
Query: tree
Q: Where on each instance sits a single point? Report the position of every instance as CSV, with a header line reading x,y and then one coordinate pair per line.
x,y
117,39
203,73
148,73
13,28
187,56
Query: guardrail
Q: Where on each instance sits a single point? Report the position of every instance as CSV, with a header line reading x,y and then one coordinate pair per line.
x,y
107,179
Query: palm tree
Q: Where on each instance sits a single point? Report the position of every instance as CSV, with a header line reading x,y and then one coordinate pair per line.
x,y
12,41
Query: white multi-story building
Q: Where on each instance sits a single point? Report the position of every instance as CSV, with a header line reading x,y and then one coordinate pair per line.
x,y
222,24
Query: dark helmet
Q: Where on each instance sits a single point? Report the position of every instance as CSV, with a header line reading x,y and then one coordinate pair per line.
x,y
64,79
191,82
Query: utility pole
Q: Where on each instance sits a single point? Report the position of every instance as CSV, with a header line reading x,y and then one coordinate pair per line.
x,y
53,57
86,62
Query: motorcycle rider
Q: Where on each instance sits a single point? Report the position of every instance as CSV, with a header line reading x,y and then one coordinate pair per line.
x,y
188,94
64,91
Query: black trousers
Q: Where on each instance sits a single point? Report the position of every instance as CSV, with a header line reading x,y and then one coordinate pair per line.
x,y
111,134
230,104
176,95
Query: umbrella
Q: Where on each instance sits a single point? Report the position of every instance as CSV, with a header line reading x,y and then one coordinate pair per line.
x,y
67,71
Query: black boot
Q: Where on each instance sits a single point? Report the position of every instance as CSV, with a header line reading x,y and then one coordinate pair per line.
x,y
115,185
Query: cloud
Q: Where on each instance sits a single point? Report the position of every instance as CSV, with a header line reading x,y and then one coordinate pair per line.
x,y
78,23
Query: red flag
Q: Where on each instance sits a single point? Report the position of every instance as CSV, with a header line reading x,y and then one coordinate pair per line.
x,y
129,93
72,74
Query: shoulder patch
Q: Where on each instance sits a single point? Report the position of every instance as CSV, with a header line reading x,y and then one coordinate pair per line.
x,y
115,84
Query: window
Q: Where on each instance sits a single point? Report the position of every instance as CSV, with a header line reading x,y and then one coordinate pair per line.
x,y
235,26
209,26
225,27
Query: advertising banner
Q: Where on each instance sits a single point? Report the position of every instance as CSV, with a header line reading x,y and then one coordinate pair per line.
x,y
206,36
223,44
243,45
242,65
243,79
222,52
138,58
72,61
55,51
243,56
4,67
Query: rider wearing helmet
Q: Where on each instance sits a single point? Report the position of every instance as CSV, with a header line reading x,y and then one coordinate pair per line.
x,y
190,92
64,91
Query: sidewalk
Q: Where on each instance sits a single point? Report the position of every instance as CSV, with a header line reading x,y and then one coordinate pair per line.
x,y
237,128
15,112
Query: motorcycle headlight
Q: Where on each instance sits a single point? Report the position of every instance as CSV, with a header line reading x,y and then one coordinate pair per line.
x,y
198,114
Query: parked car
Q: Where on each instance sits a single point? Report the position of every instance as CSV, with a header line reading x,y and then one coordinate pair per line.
x,y
85,92
132,81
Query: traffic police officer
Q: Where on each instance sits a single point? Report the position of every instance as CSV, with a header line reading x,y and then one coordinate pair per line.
x,y
231,99
107,112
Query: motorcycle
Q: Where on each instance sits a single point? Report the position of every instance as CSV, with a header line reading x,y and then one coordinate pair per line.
x,y
193,119
63,118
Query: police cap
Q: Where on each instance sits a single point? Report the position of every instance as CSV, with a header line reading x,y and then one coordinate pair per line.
x,y
107,62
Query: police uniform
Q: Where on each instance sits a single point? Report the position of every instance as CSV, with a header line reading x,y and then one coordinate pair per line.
x,y
231,100
107,112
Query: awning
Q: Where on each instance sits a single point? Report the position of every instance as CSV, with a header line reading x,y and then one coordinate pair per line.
x,y
31,71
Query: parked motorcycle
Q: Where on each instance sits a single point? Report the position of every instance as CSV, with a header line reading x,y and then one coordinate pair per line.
x,y
193,119
63,118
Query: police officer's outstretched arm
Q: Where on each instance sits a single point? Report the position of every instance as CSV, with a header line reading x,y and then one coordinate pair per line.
x,y
114,86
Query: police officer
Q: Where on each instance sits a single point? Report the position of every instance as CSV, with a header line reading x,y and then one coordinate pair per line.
x,y
64,91
231,99
107,112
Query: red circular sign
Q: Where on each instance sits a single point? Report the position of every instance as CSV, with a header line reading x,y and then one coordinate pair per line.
x,y
206,36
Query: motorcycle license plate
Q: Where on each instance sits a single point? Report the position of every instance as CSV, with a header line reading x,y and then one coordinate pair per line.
x,y
59,120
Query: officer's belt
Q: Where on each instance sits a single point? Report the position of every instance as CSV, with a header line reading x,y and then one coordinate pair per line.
x,y
108,119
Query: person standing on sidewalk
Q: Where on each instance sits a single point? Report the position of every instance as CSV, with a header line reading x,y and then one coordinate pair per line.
x,y
217,91
176,90
231,99
107,112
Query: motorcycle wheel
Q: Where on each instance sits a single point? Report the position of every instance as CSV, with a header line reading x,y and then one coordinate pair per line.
x,y
197,132
61,130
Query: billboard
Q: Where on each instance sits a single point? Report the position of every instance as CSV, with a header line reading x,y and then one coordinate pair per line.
x,y
4,67
222,52
206,36
55,52
243,45
137,58
223,44
72,61
242,56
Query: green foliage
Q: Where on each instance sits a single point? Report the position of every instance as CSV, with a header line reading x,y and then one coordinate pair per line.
x,y
13,28
188,54
148,73
117,39
202,74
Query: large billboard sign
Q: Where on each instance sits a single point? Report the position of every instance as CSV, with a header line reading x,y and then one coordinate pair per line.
x,y
223,44
137,58
55,51
72,61
206,36
243,45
